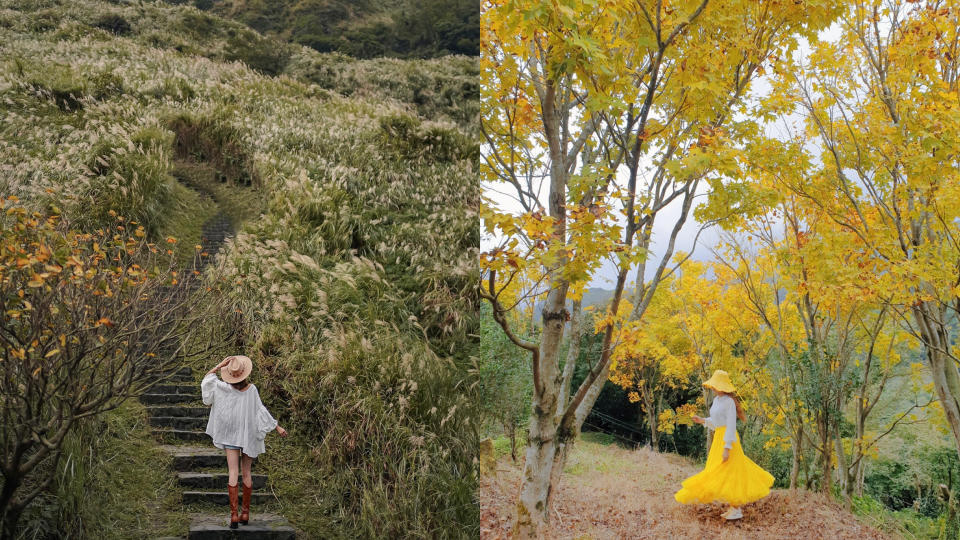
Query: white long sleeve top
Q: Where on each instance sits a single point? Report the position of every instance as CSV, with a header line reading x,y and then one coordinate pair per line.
x,y
723,412
237,417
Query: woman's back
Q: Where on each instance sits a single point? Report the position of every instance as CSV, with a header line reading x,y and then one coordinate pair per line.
x,y
237,417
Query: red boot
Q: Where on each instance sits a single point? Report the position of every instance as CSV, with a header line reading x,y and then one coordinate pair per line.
x,y
232,492
245,510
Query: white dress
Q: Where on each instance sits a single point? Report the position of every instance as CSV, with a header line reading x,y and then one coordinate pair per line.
x,y
723,413
237,418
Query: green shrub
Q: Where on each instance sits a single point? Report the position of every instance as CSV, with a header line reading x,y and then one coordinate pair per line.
x,y
106,84
103,487
199,24
410,139
131,178
264,55
43,21
211,140
59,83
113,23
384,485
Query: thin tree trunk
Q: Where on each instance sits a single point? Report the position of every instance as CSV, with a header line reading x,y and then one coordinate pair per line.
x,y
861,472
573,352
797,446
843,473
649,404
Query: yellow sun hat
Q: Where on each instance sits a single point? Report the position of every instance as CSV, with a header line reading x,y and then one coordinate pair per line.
x,y
720,382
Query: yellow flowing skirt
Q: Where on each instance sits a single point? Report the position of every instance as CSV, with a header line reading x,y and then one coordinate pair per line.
x,y
737,482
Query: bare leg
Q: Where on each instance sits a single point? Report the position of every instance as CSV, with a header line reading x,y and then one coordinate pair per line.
x,y
233,466
246,463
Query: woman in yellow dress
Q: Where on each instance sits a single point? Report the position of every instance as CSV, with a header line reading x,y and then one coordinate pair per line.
x,y
729,476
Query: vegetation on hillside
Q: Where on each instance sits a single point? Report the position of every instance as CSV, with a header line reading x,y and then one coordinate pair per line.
x,y
353,271
365,28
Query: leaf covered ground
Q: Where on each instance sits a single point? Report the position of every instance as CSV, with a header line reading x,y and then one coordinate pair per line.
x,y
613,492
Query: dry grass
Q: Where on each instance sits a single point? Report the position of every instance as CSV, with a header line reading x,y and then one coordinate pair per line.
x,y
612,492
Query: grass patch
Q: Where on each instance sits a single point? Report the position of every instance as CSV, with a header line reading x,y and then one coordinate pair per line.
x,y
240,203
190,210
501,445
113,482
596,437
905,523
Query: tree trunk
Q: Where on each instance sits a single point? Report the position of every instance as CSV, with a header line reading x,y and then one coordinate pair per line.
x,y
573,352
843,472
861,473
797,447
556,472
946,380
9,511
651,411
826,470
533,502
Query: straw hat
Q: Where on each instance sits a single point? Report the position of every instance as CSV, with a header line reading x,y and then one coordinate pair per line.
x,y
720,382
237,369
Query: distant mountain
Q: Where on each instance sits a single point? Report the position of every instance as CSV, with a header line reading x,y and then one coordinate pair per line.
x,y
593,296
362,28
596,296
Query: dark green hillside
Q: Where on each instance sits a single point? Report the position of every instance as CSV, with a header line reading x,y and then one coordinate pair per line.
x,y
363,28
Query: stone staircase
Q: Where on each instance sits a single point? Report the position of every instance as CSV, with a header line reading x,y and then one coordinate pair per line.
x,y
178,420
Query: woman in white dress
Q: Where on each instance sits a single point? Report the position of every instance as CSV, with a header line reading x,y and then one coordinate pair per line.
x,y
238,424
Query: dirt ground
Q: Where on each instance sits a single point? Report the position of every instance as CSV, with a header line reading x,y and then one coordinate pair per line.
x,y
610,492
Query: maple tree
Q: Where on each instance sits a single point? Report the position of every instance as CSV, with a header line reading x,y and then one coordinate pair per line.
x,y
878,157
598,116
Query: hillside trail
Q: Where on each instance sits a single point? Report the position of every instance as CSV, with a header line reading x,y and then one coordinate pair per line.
x,y
610,492
178,419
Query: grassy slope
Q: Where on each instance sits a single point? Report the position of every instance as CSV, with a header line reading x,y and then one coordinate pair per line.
x,y
612,492
351,279
364,28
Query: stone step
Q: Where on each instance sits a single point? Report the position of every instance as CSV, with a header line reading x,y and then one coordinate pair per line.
x,y
261,526
185,370
215,480
156,399
179,422
190,458
180,411
173,435
178,378
221,498
168,388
